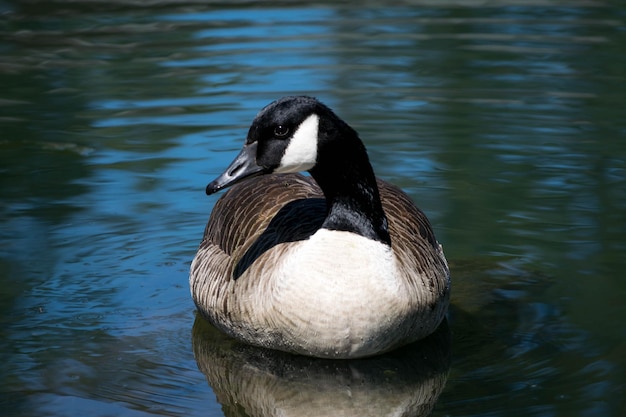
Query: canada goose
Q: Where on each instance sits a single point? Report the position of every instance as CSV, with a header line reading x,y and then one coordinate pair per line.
x,y
336,265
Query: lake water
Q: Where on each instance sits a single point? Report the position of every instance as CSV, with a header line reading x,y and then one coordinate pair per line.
x,y
505,121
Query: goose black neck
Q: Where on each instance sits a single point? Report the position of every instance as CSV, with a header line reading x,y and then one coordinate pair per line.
x,y
346,177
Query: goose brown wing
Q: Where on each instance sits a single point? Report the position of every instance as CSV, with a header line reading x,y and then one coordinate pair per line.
x,y
255,215
413,241
407,219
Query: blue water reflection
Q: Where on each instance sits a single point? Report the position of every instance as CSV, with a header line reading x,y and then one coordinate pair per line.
x,y
503,122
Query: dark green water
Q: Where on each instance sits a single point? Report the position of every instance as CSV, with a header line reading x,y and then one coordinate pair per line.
x,y
504,122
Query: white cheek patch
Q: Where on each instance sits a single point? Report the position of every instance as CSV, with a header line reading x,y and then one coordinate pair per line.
x,y
301,152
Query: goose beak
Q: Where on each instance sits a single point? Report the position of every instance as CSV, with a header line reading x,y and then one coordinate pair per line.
x,y
244,166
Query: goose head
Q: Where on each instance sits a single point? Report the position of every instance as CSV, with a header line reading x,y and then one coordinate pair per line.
x,y
285,137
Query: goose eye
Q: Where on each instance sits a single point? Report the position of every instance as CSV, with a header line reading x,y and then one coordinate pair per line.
x,y
281,131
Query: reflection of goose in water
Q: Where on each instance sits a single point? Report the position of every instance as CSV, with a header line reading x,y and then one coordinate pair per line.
x,y
251,381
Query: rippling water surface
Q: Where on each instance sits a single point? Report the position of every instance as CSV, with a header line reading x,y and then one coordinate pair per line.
x,y
503,120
